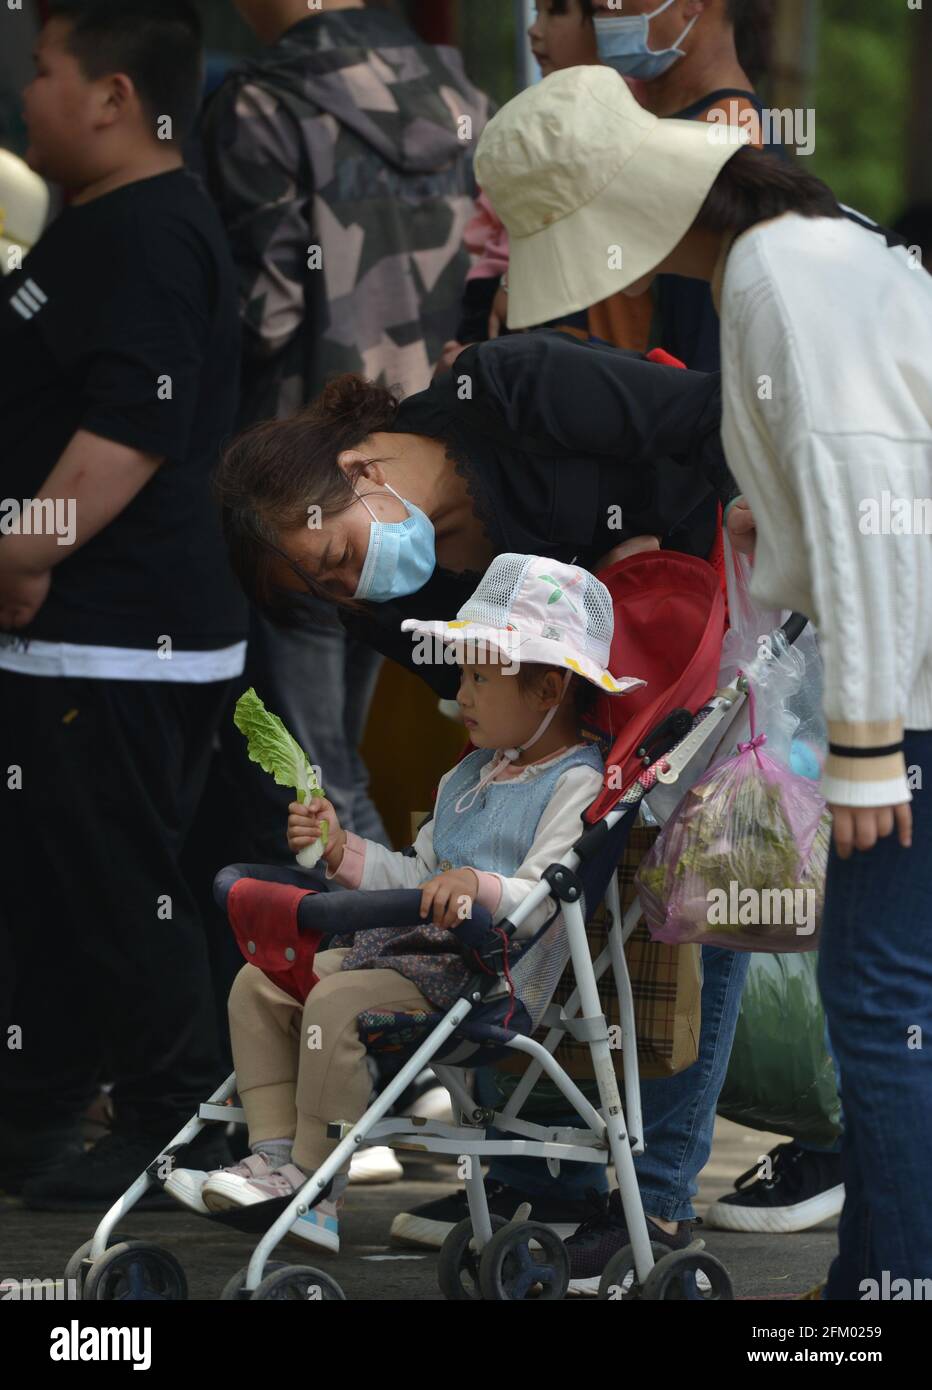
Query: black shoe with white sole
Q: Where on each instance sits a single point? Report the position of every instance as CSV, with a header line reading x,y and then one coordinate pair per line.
x,y
427,1226
604,1233
799,1189
93,1180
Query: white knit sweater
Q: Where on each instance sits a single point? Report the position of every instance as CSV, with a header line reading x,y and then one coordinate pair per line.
x,y
827,427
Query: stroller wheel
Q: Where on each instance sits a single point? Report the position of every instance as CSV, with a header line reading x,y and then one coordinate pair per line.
x,y
134,1272
674,1278
510,1271
458,1265
298,1284
234,1290
75,1269
619,1278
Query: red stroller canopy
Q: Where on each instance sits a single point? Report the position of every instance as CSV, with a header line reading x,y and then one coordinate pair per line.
x,y
669,628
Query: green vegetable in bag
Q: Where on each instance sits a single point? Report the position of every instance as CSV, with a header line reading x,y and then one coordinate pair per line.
x,y
781,1076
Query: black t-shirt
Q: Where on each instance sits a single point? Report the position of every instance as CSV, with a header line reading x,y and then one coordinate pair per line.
x,y
123,321
567,448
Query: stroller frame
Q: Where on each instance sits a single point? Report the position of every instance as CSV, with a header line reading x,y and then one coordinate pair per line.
x,y
607,1137
606,1140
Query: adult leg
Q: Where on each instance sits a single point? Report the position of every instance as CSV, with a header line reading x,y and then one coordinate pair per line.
x,y
363,665
875,973
678,1111
301,674
43,798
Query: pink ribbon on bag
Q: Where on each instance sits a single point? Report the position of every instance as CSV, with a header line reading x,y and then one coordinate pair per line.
x,y
756,741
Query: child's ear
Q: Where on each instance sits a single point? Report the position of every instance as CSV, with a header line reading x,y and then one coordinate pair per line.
x,y
552,688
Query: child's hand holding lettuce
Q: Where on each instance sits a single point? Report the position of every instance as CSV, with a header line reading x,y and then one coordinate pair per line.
x,y
312,820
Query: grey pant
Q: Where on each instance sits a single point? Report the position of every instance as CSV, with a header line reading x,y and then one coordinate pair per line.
x,y
320,682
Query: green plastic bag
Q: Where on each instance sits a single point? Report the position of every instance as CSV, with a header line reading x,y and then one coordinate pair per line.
x,y
781,1076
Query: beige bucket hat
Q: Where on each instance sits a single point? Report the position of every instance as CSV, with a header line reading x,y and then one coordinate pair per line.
x,y
594,190
24,205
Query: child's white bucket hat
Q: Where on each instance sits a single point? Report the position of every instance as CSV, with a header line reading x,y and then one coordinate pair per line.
x,y
528,608
594,190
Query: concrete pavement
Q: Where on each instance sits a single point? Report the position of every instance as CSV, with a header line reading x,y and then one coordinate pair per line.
x,y
37,1244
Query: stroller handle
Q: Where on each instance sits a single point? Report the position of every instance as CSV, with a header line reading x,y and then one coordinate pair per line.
x,y
794,627
342,914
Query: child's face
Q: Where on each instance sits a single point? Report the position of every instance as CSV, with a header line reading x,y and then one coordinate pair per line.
x,y
497,713
61,109
564,40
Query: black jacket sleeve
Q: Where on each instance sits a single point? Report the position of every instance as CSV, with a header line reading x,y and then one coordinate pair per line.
x,y
378,625
594,399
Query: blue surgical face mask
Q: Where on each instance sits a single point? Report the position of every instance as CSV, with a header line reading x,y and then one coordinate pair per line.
x,y
400,558
624,44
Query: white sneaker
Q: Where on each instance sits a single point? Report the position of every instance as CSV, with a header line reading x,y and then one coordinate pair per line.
x,y
432,1105
375,1165
185,1185
320,1226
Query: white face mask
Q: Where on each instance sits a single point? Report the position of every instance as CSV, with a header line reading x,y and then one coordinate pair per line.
x,y
624,44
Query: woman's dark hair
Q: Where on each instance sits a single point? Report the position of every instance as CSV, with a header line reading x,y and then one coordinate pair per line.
x,y
755,185
274,472
157,43
562,6
753,25
584,693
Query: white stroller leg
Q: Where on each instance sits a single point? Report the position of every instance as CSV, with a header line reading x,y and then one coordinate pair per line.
x,y
348,1145
604,1068
142,1184
629,1045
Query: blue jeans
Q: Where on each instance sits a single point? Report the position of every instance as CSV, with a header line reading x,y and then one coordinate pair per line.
x,y
836,1147
875,974
678,1112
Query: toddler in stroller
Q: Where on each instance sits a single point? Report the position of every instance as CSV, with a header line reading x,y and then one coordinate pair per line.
x,y
533,643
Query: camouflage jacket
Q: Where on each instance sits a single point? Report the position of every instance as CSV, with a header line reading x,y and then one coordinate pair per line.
x,y
341,160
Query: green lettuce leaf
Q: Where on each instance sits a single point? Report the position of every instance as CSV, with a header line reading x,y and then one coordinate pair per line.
x,y
269,744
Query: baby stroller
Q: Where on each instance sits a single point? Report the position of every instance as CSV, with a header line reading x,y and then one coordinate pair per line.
x,y
669,627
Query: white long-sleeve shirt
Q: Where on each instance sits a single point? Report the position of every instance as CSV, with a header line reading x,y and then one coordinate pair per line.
x,y
368,865
827,427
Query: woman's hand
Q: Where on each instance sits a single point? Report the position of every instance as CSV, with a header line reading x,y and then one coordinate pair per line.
x,y
448,356
449,897
304,824
741,527
860,827
21,597
498,318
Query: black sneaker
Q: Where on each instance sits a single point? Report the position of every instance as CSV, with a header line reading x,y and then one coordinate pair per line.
x,y
804,1188
604,1233
427,1226
95,1179
27,1151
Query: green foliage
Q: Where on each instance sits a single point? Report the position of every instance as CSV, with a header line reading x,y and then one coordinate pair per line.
x,y
861,102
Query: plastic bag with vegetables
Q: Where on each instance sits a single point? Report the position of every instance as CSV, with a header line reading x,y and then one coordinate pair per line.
x,y
742,861
269,744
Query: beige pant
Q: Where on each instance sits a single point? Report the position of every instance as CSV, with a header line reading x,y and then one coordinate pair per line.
x,y
301,1067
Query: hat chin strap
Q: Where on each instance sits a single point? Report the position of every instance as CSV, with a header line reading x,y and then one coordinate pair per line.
x,y
464,802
